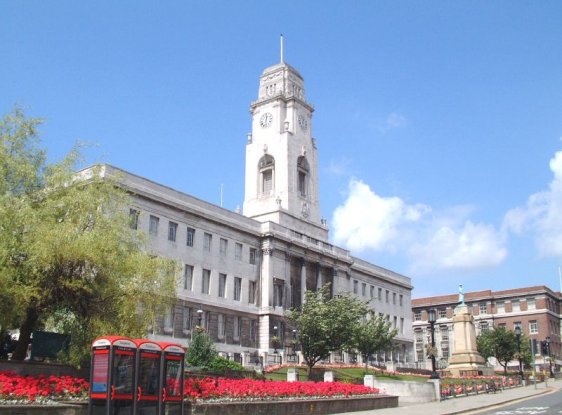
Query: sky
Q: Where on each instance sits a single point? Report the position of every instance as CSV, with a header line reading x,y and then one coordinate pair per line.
x,y
438,123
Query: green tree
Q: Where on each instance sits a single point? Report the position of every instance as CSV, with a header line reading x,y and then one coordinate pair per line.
x,y
325,323
201,351
373,335
499,343
67,252
203,355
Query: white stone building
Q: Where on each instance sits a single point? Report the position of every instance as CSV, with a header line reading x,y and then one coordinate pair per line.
x,y
241,272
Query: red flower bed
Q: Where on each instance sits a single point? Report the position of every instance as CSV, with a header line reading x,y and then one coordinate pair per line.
x,y
14,387
32,388
248,389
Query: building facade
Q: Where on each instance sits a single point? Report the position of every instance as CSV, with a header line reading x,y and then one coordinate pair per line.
x,y
242,272
536,310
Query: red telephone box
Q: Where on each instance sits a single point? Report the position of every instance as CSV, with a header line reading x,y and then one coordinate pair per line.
x,y
148,370
112,376
172,379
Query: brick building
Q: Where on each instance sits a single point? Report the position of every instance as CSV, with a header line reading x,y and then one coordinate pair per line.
x,y
535,309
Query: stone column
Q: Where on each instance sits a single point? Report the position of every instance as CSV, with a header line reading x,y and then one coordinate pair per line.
x,y
266,277
303,280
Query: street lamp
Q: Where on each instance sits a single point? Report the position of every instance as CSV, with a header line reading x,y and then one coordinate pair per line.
x,y
518,337
431,317
549,357
199,315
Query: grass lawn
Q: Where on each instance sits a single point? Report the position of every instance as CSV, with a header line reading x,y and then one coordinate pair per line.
x,y
346,374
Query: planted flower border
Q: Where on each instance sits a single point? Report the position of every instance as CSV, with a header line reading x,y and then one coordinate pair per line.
x,y
18,389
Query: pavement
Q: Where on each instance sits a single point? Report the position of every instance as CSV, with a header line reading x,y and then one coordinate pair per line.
x,y
468,404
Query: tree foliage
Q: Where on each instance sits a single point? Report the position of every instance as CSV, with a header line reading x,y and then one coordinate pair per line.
x,y
326,324
373,335
203,355
501,344
67,253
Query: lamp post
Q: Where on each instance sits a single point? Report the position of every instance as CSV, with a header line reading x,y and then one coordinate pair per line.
x,y
431,317
518,337
199,315
549,357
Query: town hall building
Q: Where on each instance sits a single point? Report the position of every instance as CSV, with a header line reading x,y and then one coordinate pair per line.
x,y
241,271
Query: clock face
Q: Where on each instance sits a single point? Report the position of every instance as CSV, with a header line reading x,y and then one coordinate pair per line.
x,y
266,119
303,123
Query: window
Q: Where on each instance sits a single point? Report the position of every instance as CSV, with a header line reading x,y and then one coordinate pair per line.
x,y
500,307
223,247
355,287
267,185
278,287
251,292
186,320
207,242
236,328
266,168
237,288
253,330
417,315
531,305
401,300
516,324
533,327
395,322
206,281
172,231
222,285
364,289
190,236
387,295
188,277
221,326
380,294
372,292
393,298
442,313
401,325
153,225
483,308
238,251
253,252
303,172
515,306
169,320
133,219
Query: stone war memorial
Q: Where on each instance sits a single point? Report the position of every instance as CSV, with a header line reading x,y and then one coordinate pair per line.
x,y
465,359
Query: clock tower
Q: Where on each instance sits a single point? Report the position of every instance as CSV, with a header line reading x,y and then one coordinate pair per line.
x,y
281,157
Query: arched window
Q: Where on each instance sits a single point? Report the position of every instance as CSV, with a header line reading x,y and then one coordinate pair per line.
x,y
266,167
303,172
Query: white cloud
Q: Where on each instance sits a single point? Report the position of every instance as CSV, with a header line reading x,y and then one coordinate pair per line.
x,y
369,221
542,215
469,246
393,120
441,241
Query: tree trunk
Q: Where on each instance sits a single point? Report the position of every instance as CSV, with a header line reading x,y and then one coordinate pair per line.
x,y
26,329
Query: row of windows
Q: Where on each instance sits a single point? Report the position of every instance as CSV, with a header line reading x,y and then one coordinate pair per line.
x,y
191,317
379,293
223,282
483,308
153,227
266,168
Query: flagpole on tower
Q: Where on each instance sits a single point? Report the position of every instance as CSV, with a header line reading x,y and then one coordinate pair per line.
x,y
282,58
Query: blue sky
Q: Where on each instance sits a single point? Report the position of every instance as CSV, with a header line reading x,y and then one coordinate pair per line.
x,y
438,123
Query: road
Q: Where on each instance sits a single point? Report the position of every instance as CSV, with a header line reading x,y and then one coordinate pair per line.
x,y
549,404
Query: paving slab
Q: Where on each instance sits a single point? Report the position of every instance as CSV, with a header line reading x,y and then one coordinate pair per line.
x,y
453,406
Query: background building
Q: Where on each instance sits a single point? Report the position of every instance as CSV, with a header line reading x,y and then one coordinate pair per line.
x,y
535,309
241,272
